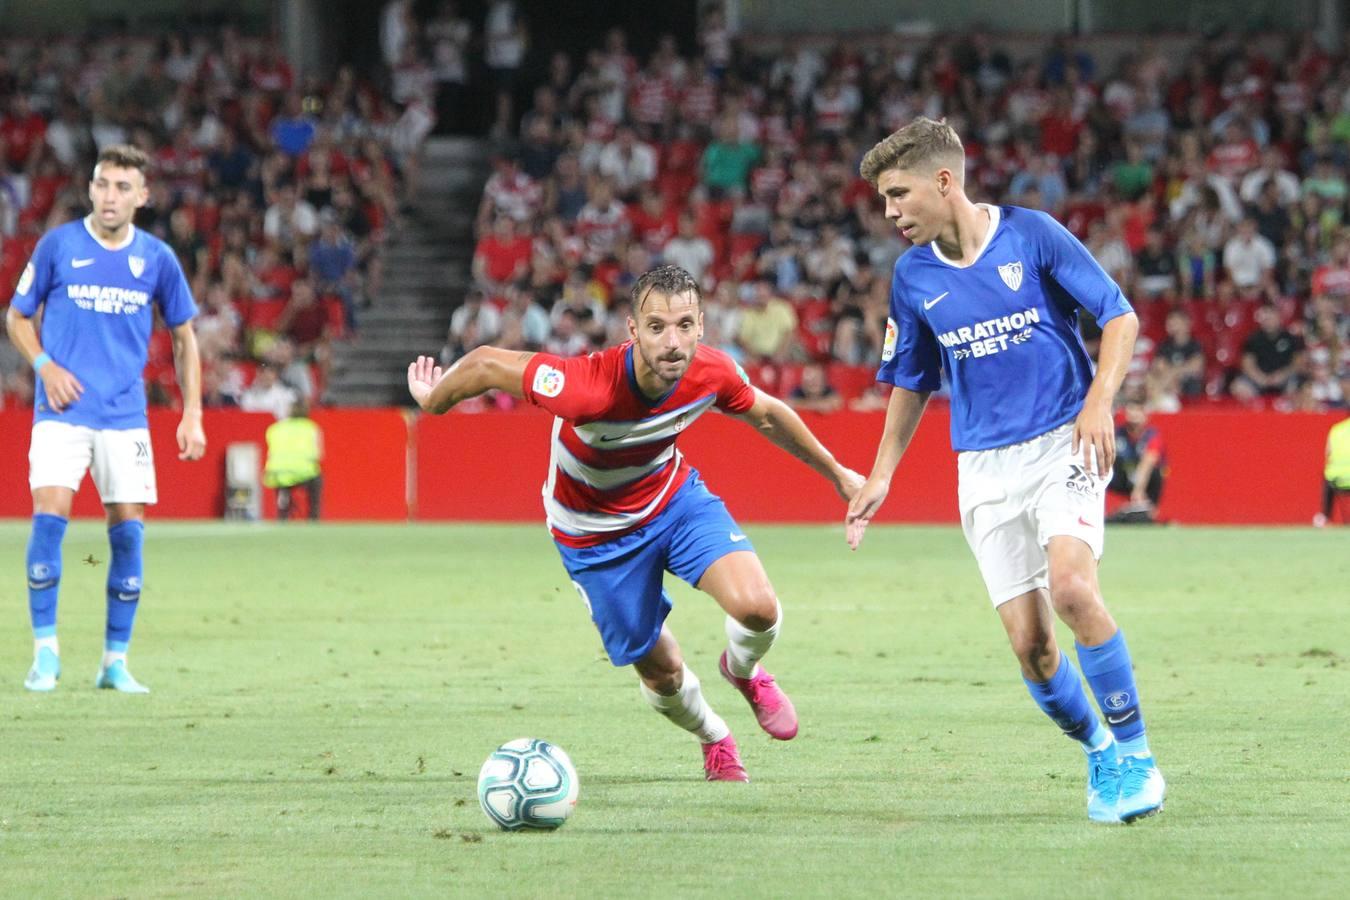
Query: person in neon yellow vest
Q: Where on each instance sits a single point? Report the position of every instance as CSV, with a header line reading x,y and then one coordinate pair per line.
x,y
294,454
1336,475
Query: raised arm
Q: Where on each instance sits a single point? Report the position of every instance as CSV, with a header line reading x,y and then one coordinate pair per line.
x,y
902,418
480,370
780,424
1094,428
187,363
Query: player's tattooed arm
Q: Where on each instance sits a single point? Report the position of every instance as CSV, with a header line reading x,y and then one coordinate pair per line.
x,y
780,424
482,369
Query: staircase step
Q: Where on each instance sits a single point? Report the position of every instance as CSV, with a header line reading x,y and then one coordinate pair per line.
x,y
426,273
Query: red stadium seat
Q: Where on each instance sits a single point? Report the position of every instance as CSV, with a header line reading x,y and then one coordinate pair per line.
x,y
745,243
263,314
851,381
337,315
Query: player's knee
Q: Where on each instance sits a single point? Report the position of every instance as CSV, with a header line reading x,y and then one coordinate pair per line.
x,y
758,609
664,680
1073,594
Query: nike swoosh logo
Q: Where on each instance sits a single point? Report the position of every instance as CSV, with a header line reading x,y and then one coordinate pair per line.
x,y
80,263
1083,521
610,438
929,304
737,538
122,596
1112,720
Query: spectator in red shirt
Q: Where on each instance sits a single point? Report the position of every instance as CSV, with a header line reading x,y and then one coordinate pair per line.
x,y
304,322
1059,127
653,221
21,131
502,257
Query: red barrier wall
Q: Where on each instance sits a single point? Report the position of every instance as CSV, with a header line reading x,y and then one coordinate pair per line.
x,y
1225,466
365,472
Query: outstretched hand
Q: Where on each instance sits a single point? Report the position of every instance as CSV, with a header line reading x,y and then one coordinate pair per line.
x,y
862,508
422,377
848,484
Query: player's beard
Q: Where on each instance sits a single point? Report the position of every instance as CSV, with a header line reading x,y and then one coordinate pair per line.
x,y
669,367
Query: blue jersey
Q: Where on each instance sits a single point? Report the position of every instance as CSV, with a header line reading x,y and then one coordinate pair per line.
x,y
1004,327
97,317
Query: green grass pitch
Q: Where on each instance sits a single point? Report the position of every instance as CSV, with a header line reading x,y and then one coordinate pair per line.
x,y
323,698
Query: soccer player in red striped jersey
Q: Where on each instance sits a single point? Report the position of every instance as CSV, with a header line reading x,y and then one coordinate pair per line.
x,y
624,505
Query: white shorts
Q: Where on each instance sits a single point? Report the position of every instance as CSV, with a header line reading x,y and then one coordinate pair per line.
x,y
1014,499
123,462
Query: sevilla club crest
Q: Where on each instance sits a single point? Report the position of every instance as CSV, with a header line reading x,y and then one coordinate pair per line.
x,y
1011,273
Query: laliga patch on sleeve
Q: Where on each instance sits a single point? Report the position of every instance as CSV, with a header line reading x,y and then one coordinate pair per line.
x,y
548,381
888,346
25,280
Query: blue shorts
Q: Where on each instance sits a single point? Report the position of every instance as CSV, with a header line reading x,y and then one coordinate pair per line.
x,y
620,580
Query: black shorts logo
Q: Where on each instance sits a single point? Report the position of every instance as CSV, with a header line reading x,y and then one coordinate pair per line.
x,y
1080,480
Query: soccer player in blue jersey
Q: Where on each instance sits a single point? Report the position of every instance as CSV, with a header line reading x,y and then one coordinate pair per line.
x,y
992,295
94,281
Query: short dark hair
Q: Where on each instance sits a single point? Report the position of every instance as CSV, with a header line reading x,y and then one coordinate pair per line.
x,y
668,280
125,156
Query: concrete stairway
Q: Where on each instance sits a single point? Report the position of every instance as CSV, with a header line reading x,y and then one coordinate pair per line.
x,y
426,272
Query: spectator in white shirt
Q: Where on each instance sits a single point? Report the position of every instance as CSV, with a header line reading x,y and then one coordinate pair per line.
x,y
627,162
1271,169
1250,260
689,250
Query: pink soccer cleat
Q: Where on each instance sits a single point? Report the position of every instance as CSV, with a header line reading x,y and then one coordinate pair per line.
x,y
773,709
722,761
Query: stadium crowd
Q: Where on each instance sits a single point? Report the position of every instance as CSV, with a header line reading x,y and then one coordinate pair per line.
x,y
1212,186
276,195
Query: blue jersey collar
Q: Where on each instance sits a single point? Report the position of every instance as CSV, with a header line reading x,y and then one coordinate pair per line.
x,y
126,242
995,214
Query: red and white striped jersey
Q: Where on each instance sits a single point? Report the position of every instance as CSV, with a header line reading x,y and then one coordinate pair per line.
x,y
613,463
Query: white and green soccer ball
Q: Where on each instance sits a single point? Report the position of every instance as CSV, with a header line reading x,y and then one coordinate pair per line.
x,y
528,783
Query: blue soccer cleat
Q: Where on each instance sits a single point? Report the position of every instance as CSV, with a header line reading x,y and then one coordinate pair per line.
x,y
118,678
1103,785
1141,788
46,671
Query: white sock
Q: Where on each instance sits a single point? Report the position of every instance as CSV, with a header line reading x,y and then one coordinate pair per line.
x,y
745,648
49,642
112,656
687,709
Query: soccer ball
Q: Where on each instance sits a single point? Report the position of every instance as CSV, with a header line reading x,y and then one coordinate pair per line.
x,y
528,783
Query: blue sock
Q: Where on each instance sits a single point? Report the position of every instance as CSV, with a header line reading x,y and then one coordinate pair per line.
x,y
124,582
1063,699
44,572
1111,677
